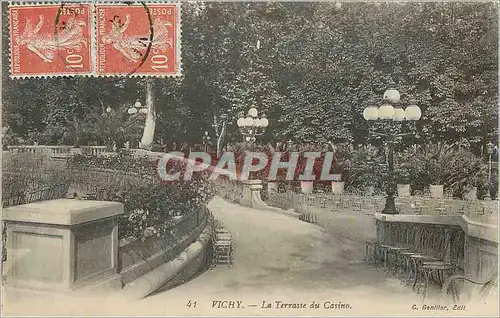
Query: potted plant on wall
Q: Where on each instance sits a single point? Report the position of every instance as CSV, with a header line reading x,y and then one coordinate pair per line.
x,y
272,184
402,176
306,186
466,173
406,171
434,170
435,177
338,183
340,167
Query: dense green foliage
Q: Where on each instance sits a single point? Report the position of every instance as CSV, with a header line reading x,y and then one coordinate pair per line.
x,y
457,168
318,66
31,177
148,202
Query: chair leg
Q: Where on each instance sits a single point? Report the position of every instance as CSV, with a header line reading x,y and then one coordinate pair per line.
x,y
426,283
410,269
385,257
416,273
394,263
397,265
376,253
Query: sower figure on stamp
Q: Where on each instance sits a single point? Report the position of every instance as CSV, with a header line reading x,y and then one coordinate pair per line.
x,y
132,46
45,45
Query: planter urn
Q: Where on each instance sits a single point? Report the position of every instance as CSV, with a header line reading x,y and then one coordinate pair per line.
x,y
472,194
307,187
337,187
403,190
437,191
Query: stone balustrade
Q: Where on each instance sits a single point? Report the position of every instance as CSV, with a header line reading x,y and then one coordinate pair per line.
x,y
52,150
93,150
59,151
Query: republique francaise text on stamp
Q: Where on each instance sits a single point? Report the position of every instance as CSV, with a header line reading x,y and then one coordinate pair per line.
x,y
49,40
111,39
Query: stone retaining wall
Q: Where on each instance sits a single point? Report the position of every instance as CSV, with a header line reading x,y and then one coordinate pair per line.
x,y
179,269
169,261
137,258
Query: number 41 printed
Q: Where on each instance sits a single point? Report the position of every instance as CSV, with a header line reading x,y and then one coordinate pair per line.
x,y
191,304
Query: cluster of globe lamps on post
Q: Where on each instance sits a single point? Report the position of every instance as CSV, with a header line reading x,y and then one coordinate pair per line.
x,y
136,108
391,109
252,125
391,112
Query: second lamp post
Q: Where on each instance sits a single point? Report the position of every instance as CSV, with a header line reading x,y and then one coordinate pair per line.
x,y
251,125
392,113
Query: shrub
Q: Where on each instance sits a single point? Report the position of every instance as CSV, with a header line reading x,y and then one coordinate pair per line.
x,y
149,202
367,169
25,176
465,171
458,170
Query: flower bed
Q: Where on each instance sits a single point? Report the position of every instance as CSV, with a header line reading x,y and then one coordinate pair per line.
x,y
149,202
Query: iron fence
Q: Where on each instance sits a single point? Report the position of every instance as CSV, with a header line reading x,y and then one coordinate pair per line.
x,y
49,193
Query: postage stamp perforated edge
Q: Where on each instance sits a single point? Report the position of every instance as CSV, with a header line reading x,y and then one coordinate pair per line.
x,y
44,4
93,39
178,41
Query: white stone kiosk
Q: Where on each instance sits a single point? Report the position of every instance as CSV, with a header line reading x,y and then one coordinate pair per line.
x,y
62,245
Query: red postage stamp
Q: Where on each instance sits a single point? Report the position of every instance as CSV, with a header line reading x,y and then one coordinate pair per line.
x,y
140,39
50,40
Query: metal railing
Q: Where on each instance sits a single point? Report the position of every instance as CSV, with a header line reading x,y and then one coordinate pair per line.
x,y
48,193
351,202
407,205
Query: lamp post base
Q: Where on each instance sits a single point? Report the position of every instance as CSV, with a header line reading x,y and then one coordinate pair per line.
x,y
251,195
390,206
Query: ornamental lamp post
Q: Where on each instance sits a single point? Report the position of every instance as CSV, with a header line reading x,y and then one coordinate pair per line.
x,y
206,140
251,125
391,113
137,108
133,110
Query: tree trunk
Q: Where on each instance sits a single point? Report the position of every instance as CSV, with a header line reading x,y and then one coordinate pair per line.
x,y
150,124
77,132
220,127
221,139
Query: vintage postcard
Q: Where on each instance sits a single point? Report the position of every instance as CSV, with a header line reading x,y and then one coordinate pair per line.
x,y
263,158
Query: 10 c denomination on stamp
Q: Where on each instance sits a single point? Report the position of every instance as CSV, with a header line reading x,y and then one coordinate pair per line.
x,y
139,39
50,40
